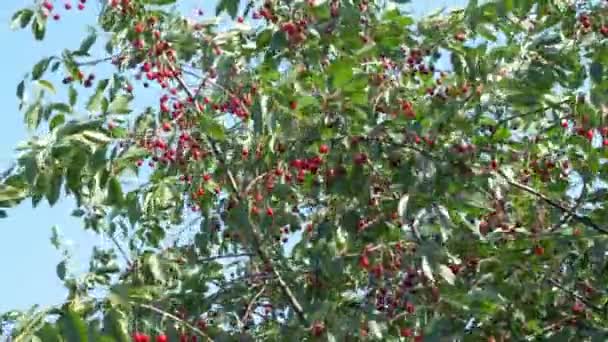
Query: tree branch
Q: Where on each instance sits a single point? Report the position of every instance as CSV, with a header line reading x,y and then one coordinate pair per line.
x,y
582,219
121,250
257,237
175,318
250,305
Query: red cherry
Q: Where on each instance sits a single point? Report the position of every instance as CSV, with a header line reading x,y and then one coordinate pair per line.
x,y
564,123
539,250
360,158
269,212
56,16
206,177
364,261
139,27
81,6
323,149
494,164
410,308
240,19
68,6
166,127
317,329
406,332
139,337
484,227
589,134
47,5
162,338
578,307
293,105
604,30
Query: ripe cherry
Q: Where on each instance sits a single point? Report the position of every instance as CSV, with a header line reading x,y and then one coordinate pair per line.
x,y
269,212
323,149
460,36
293,105
317,328
364,261
589,134
162,338
56,16
240,20
360,158
67,6
139,337
139,27
81,6
166,127
539,250
578,307
406,332
494,164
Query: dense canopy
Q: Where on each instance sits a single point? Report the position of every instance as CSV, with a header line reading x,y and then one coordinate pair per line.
x,y
332,170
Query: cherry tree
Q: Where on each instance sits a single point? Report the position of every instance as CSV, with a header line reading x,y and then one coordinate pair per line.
x,y
323,170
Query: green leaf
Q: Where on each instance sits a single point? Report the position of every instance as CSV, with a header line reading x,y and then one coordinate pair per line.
x,y
86,44
95,99
21,18
47,85
115,325
73,328
596,72
447,274
62,270
155,267
49,333
341,72
230,6
9,193
72,95
40,68
32,116
20,90
115,196
60,107
120,105
56,121
54,190
39,27
96,137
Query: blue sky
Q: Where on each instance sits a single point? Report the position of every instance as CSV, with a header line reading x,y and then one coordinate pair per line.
x,y
27,259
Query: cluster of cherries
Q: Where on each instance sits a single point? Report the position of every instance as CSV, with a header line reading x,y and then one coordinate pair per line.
x,y
48,8
587,25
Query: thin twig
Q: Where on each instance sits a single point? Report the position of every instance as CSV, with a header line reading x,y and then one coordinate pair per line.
x,y
175,318
225,256
121,250
582,219
250,305
574,295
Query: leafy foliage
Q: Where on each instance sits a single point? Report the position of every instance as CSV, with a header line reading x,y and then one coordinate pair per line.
x,y
333,170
